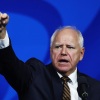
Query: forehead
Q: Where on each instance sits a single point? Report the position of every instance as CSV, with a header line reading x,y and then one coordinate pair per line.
x,y
66,35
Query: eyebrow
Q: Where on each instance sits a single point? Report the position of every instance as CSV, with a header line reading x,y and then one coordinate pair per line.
x,y
62,44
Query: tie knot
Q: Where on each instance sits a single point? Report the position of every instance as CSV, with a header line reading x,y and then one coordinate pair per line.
x,y
65,78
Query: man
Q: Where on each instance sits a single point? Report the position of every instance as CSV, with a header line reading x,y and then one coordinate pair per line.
x,y
33,81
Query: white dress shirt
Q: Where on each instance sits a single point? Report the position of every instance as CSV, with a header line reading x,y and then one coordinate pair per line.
x,y
73,84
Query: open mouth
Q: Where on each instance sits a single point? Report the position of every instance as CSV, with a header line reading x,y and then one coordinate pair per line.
x,y
63,60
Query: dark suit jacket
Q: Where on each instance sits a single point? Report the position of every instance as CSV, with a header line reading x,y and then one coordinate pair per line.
x,y
33,81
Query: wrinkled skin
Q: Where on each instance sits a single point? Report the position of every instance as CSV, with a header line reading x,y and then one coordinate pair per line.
x,y
66,51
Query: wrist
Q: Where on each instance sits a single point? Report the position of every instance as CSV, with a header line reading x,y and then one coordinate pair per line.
x,y
2,33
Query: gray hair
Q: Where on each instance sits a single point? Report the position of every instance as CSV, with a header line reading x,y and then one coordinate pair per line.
x,y
81,39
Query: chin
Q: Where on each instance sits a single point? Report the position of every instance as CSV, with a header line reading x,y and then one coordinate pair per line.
x,y
63,70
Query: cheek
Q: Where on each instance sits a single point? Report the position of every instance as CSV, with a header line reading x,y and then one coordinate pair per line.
x,y
54,55
75,57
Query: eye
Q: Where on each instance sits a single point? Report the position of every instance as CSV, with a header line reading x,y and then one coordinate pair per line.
x,y
57,46
70,47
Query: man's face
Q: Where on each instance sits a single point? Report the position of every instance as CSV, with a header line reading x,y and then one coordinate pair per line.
x,y
66,51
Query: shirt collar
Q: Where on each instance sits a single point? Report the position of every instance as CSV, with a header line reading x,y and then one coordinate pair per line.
x,y
72,76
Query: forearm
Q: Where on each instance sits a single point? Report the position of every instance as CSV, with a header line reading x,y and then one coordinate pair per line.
x,y
4,42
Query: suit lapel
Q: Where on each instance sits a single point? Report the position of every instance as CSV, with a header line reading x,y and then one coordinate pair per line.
x,y
81,78
56,82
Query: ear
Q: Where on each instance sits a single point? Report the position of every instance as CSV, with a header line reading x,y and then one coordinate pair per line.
x,y
82,53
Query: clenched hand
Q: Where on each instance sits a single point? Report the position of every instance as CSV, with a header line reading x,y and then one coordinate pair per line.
x,y
4,18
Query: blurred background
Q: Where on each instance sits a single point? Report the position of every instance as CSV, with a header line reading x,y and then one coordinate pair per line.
x,y
32,23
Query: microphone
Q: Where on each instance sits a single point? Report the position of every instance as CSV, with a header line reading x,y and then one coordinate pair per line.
x,y
82,87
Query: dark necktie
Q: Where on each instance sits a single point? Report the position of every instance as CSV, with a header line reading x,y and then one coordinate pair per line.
x,y
66,90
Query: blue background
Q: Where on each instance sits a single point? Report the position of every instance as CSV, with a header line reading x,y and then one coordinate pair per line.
x,y
32,23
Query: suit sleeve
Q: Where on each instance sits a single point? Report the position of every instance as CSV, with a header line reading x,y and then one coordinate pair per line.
x,y
17,73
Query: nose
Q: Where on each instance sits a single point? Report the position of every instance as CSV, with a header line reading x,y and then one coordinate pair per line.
x,y
64,51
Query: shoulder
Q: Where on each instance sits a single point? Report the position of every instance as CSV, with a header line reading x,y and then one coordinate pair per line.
x,y
94,82
35,63
90,80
